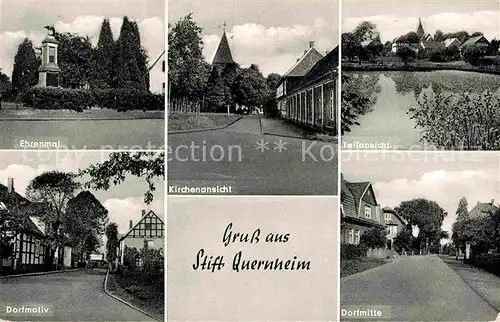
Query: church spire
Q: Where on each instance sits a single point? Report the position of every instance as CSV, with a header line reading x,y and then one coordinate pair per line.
x,y
223,54
420,29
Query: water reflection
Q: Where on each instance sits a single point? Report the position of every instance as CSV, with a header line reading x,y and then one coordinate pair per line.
x,y
388,121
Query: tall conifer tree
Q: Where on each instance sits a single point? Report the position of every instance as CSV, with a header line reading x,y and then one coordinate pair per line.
x,y
25,71
105,75
128,72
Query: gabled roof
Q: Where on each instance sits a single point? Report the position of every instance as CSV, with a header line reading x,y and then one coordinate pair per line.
x,y
151,212
323,67
304,64
157,60
388,209
482,209
431,45
223,54
355,190
449,41
13,200
473,40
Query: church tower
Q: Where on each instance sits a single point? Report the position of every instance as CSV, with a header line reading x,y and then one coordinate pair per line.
x,y
420,29
48,72
223,55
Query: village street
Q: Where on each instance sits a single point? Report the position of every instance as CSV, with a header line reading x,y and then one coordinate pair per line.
x,y
253,163
75,296
417,288
86,134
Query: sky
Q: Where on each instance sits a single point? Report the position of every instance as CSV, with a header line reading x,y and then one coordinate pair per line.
x,y
271,34
443,178
394,18
123,202
21,19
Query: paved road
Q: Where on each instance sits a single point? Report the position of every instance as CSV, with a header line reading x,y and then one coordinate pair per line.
x,y
86,134
418,288
75,296
302,167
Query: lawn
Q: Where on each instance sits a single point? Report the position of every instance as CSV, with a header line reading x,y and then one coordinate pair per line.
x,y
353,266
147,295
11,111
200,121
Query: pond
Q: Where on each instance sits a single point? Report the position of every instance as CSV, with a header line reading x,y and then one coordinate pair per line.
x,y
394,93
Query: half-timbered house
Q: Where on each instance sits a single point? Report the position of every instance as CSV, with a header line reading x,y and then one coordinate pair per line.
x,y
149,230
30,251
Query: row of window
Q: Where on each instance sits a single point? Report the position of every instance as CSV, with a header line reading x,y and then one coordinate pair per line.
x,y
307,106
368,213
30,250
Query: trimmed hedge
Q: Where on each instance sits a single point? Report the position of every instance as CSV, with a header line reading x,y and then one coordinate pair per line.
x,y
489,262
350,251
55,98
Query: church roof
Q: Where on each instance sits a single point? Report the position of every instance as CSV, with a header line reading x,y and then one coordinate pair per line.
x,y
420,28
223,53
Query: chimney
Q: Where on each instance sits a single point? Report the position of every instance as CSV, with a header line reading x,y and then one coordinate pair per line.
x,y
492,202
10,185
130,224
311,44
326,52
143,212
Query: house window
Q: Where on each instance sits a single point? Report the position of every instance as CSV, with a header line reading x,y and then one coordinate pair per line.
x,y
37,248
357,237
368,212
351,236
387,216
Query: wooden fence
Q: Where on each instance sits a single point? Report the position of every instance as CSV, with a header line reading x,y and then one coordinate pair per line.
x,y
184,106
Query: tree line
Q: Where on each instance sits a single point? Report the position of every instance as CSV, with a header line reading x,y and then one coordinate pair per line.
x,y
111,64
481,232
191,77
364,43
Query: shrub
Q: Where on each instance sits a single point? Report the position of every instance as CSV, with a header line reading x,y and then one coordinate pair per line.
x,y
152,263
489,262
78,100
127,99
374,238
351,251
406,54
56,98
472,54
437,57
130,257
459,121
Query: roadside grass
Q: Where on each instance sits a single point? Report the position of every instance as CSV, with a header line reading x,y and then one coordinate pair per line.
x,y
146,295
9,110
201,121
353,266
